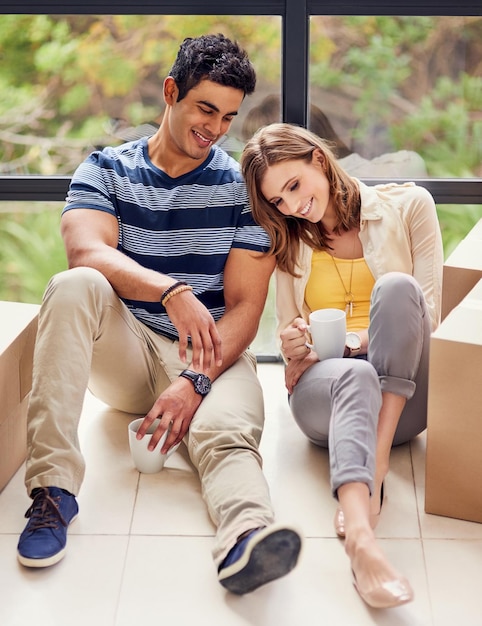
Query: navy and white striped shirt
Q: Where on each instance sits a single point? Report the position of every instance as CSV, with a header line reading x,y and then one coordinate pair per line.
x,y
183,227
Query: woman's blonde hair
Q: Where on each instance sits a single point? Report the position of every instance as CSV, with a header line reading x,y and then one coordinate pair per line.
x,y
280,142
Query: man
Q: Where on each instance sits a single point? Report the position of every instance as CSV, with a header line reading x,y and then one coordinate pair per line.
x,y
167,281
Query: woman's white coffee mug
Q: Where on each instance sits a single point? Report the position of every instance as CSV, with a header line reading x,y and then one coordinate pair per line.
x,y
327,328
148,461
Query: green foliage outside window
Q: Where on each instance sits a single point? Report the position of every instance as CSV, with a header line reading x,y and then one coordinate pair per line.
x,y
31,252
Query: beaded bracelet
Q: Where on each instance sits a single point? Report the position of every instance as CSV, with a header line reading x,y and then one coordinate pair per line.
x,y
173,290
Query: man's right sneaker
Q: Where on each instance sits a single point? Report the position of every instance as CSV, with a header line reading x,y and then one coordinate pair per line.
x,y
44,538
261,556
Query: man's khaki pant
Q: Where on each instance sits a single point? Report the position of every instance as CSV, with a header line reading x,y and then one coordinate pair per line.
x,y
88,338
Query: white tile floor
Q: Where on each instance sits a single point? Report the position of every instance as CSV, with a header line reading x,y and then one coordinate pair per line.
x,y
140,551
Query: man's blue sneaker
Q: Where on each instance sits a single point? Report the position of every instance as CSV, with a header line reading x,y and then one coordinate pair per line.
x,y
263,555
43,540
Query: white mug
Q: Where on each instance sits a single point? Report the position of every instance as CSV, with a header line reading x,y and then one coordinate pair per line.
x,y
327,328
148,461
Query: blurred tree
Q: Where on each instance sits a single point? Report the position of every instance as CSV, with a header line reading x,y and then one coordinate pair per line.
x,y
62,78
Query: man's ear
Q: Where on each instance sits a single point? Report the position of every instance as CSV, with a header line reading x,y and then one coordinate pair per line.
x,y
170,91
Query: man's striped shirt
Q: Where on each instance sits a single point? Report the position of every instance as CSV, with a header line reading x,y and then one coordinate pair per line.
x,y
184,227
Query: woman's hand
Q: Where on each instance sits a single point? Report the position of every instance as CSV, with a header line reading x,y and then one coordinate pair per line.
x,y
293,340
297,367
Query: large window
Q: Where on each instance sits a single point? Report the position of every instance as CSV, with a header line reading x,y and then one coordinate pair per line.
x,y
399,83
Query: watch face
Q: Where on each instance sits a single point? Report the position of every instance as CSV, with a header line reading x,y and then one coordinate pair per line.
x,y
353,341
202,384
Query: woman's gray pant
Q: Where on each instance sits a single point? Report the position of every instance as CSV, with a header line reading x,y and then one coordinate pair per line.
x,y
336,402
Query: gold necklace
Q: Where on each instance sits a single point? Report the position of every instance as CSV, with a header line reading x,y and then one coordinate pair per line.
x,y
349,297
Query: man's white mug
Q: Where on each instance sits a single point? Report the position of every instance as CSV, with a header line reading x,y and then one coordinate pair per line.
x,y
147,461
327,328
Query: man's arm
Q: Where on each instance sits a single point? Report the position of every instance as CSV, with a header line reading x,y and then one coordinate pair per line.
x,y
246,282
90,239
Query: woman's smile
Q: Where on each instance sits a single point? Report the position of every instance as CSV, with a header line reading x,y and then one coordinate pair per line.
x,y
305,211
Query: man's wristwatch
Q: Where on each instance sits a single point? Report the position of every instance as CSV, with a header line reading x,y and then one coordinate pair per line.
x,y
201,382
353,344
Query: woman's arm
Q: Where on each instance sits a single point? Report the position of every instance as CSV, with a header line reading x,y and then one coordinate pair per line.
x,y
427,249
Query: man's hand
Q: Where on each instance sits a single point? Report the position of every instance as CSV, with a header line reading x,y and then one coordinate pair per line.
x,y
192,318
91,238
175,407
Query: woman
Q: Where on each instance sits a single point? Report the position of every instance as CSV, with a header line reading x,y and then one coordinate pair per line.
x,y
377,253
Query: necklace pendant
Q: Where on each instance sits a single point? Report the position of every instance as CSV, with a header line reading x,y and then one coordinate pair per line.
x,y
349,303
349,298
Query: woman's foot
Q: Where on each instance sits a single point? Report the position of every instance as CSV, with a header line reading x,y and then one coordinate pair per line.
x,y
377,582
339,523
388,595
375,510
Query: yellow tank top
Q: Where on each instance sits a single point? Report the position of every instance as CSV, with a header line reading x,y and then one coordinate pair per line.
x,y
325,288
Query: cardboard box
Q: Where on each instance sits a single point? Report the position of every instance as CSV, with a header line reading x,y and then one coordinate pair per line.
x,y
18,329
462,269
454,428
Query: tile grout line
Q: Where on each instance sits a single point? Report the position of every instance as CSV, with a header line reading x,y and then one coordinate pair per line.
x,y
422,541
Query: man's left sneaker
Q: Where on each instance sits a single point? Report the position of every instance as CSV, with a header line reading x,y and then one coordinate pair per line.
x,y
44,538
263,555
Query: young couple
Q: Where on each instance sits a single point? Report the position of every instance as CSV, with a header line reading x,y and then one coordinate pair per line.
x,y
167,265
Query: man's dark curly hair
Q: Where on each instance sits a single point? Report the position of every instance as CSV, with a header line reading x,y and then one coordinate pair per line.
x,y
212,57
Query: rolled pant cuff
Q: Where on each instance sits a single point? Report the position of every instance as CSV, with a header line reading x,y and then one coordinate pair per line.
x,y
51,481
352,475
398,386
